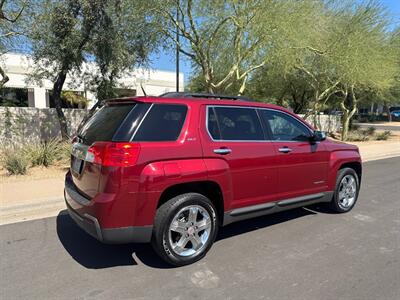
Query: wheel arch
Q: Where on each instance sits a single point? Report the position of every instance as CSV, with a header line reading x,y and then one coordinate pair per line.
x,y
209,189
355,165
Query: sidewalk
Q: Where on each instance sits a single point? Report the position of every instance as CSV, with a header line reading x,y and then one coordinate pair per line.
x,y
23,200
378,149
31,199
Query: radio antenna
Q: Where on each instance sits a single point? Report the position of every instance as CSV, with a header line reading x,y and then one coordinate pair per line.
x,y
144,92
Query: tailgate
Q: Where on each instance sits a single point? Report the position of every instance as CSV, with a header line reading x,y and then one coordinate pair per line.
x,y
112,122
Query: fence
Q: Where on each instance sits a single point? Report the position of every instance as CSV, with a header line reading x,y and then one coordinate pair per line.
x,y
28,124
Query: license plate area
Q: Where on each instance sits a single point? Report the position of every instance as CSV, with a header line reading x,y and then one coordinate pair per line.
x,y
76,165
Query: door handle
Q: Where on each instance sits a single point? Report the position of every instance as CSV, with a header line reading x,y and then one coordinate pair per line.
x,y
222,151
285,150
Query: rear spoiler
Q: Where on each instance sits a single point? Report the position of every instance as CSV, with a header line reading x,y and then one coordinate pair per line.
x,y
124,100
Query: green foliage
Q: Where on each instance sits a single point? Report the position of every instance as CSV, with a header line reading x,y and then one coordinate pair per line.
x,y
228,40
123,39
45,153
74,99
15,161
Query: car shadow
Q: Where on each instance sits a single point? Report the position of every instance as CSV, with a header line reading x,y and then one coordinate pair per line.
x,y
92,254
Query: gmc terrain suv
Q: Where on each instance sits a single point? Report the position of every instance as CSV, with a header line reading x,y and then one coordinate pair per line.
x,y
171,170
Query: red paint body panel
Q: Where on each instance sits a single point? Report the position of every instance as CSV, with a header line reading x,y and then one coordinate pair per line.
x,y
253,173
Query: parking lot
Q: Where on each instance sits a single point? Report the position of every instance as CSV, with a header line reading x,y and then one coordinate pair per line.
x,y
306,253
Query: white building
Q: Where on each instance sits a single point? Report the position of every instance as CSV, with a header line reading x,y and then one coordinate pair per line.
x,y
18,68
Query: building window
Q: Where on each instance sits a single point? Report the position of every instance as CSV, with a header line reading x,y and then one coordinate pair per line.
x,y
14,97
69,99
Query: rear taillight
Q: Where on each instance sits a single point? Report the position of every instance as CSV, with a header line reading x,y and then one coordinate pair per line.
x,y
113,154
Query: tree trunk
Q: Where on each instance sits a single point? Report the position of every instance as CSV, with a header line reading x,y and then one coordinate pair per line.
x,y
346,122
57,88
4,78
242,86
345,125
348,113
387,109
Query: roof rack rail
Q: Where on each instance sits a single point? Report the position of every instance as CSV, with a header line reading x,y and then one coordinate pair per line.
x,y
203,95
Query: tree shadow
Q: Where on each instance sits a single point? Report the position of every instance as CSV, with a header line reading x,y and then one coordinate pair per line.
x,y
92,254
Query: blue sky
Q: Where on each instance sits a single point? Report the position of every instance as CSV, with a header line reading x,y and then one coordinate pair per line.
x,y
166,60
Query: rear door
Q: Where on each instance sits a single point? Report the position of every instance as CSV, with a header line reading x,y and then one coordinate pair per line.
x,y
302,166
234,134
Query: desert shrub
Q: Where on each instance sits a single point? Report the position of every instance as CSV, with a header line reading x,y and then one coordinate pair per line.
x,y
44,153
371,130
383,136
15,161
358,136
355,126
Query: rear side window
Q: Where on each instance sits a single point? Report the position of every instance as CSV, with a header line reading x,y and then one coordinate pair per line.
x,y
104,123
163,123
234,124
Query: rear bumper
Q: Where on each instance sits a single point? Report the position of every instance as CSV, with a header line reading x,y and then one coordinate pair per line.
x,y
90,224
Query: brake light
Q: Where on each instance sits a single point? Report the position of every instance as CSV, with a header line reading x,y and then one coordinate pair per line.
x,y
112,154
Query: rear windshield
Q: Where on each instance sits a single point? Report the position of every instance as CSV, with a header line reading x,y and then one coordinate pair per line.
x,y
104,123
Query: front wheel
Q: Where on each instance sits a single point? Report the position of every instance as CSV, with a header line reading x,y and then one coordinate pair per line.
x,y
346,191
184,229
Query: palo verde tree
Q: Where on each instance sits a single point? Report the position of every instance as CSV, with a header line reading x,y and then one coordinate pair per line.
x,y
348,56
228,40
364,59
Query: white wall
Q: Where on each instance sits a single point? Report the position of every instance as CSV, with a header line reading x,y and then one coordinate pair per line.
x,y
18,67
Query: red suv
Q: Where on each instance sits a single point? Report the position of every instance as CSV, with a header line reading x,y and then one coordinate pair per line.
x,y
171,170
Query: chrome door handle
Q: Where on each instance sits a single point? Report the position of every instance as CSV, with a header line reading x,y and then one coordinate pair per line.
x,y
285,150
222,151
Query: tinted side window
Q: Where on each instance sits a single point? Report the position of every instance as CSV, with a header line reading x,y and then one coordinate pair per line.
x,y
238,124
284,127
163,123
212,124
104,123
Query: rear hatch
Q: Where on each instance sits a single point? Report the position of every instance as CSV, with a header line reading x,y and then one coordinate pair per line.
x,y
111,125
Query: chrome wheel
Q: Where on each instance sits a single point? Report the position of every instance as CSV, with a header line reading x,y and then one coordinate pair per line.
x,y
189,230
347,191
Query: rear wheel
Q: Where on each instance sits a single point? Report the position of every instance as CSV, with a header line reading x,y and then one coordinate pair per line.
x,y
185,229
346,191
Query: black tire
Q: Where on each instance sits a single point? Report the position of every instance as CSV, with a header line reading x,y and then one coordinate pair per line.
x,y
165,215
335,204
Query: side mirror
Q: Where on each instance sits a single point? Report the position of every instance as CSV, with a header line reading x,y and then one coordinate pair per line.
x,y
318,136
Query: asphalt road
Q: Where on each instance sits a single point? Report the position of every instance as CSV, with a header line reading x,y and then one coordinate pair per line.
x,y
301,254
